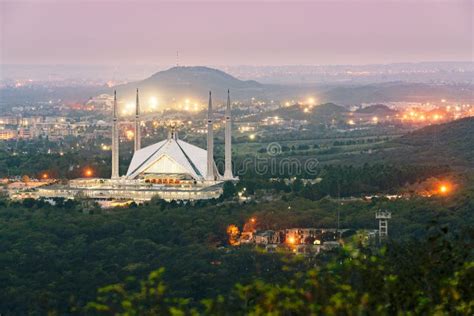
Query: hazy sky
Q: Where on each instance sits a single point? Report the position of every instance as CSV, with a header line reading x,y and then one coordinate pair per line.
x,y
232,33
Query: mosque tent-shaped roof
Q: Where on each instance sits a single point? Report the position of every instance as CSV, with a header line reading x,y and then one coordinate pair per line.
x,y
171,156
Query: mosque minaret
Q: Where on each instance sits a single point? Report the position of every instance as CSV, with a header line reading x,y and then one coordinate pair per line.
x,y
137,145
115,141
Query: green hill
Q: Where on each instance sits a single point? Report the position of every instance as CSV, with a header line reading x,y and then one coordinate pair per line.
x,y
192,82
450,144
443,144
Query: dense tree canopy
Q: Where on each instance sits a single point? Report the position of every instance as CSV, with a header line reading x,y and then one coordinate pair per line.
x,y
55,257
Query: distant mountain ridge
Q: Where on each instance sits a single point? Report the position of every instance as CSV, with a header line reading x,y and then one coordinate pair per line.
x,y
397,91
194,82
190,75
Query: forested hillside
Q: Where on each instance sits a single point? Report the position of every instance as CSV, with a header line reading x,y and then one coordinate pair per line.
x,y
55,257
449,143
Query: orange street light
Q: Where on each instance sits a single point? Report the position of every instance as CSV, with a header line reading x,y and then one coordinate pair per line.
x,y
444,189
88,172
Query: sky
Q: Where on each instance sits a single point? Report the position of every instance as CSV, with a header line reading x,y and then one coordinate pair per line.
x,y
235,33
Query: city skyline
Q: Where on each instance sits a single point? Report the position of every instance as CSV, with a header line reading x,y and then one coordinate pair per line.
x,y
231,33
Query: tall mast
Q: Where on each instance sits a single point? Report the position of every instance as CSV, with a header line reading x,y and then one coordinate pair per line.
x,y
228,140
115,141
137,145
210,142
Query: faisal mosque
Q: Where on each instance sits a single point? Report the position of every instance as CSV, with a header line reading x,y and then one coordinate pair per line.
x,y
171,169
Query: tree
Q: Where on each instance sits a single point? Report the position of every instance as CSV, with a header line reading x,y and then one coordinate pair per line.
x,y
229,190
149,299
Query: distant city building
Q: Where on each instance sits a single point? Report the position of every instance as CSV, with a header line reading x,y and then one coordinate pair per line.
x,y
7,134
103,102
302,241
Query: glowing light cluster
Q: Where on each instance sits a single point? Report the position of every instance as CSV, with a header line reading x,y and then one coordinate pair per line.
x,y
291,240
153,102
88,172
445,188
105,147
418,116
233,233
246,128
311,101
129,134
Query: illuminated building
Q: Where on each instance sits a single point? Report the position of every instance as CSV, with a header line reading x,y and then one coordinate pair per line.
x,y
171,169
6,134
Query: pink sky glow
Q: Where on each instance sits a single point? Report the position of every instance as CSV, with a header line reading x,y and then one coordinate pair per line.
x,y
233,33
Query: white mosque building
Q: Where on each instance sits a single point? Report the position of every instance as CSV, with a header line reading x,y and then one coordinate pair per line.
x,y
171,169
